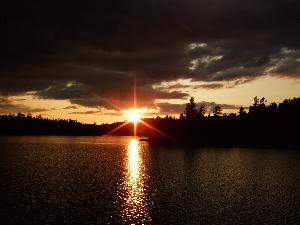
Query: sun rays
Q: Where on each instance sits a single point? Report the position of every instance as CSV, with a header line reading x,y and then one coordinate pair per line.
x,y
134,116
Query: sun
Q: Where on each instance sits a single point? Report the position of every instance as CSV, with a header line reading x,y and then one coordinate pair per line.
x,y
134,115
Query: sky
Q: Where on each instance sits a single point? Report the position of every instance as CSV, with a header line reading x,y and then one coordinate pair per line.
x,y
79,59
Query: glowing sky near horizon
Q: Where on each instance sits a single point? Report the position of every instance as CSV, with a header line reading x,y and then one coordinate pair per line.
x,y
274,89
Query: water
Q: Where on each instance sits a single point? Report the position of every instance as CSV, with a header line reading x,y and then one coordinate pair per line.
x,y
119,180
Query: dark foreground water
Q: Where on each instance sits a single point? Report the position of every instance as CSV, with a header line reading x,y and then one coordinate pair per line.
x,y
119,180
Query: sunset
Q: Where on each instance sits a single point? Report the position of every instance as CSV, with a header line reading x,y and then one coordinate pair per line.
x,y
150,112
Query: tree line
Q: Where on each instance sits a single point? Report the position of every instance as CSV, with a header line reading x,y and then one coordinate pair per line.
x,y
261,124
21,124
259,107
265,125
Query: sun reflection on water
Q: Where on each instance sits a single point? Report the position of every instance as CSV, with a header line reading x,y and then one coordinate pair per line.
x,y
135,200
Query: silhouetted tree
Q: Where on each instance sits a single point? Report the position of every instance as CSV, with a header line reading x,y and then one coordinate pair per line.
x,y
262,105
181,116
232,115
190,109
256,101
217,111
22,124
201,111
242,111
272,107
21,115
258,106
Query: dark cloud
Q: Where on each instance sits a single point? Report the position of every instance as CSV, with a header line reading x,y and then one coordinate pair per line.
x,y
177,86
168,108
70,107
85,112
207,85
110,113
210,86
94,102
88,52
107,97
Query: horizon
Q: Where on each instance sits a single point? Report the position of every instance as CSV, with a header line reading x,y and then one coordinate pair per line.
x,y
137,115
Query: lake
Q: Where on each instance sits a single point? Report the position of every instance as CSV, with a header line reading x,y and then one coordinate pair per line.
x,y
121,180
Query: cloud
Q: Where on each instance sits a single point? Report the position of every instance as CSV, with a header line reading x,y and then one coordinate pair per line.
x,y
89,53
286,63
177,85
210,86
7,106
108,112
86,112
109,97
70,107
168,108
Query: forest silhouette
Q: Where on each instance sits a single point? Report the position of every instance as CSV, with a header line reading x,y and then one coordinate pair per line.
x,y
261,125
